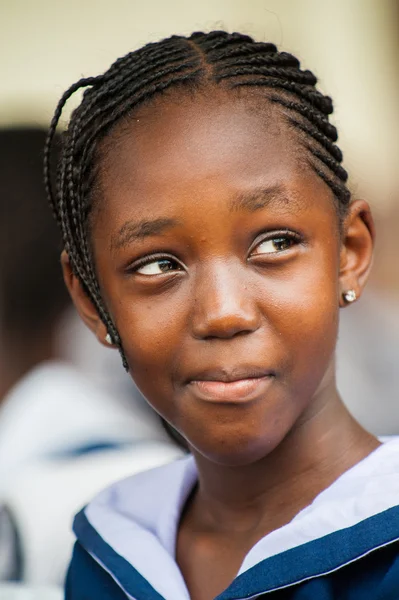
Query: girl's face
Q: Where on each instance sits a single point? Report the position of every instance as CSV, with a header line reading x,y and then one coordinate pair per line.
x,y
220,261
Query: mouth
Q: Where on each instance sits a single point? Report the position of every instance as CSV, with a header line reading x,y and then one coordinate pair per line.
x,y
231,386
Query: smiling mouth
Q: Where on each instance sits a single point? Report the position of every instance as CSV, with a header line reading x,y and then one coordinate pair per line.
x,y
236,391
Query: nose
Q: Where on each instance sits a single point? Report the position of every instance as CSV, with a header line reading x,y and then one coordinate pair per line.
x,y
224,306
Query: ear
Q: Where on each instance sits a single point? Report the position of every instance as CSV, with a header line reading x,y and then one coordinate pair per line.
x,y
86,309
357,248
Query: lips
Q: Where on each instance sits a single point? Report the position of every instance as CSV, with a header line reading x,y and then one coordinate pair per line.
x,y
240,384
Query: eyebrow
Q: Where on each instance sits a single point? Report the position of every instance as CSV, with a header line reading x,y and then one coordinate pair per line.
x,y
260,198
247,201
139,230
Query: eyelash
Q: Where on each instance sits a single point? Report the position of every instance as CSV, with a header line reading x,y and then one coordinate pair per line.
x,y
292,236
152,258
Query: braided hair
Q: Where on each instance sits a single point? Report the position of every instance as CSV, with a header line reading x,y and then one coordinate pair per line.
x,y
202,59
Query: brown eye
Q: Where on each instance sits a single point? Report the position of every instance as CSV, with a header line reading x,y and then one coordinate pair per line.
x,y
274,245
158,267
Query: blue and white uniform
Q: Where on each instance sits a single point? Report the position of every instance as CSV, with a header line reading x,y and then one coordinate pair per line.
x,y
344,545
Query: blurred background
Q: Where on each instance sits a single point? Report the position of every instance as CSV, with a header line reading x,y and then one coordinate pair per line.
x,y
71,421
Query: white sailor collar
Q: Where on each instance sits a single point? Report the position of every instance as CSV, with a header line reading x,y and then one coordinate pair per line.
x,y
130,529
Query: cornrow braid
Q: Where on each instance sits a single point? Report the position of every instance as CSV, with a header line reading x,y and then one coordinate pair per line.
x,y
200,60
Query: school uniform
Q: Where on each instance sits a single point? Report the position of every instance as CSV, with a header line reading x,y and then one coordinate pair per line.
x,y
344,545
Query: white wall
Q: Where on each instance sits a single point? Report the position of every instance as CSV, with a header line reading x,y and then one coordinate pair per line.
x,y
45,45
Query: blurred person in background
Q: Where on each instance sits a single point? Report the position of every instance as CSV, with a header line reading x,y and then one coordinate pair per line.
x,y
32,298
61,436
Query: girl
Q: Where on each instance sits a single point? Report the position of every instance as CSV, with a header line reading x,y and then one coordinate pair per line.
x,y
209,236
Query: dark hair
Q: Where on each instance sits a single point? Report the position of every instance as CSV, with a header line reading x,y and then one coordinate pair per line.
x,y
203,59
32,290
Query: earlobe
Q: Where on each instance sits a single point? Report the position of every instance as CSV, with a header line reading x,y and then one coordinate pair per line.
x,y
86,309
356,252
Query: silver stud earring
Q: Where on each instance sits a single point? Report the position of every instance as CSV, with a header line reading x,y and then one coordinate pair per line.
x,y
108,339
349,296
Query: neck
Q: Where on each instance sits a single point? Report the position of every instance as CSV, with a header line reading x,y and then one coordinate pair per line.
x,y
18,356
308,460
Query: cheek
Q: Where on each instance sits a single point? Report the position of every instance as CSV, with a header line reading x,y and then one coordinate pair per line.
x,y
152,334
306,318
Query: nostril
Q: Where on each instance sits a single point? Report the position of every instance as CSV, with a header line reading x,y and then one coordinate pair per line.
x,y
225,328
227,335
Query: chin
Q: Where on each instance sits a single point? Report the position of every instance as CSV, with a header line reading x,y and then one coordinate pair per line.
x,y
237,450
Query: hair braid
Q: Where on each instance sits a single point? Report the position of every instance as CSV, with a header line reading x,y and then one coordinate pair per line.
x,y
314,117
308,128
263,59
51,133
201,60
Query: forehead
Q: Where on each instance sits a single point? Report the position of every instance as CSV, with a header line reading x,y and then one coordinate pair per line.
x,y
199,138
185,152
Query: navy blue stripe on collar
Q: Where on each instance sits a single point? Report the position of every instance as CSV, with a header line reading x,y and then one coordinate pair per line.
x,y
310,560
128,577
316,558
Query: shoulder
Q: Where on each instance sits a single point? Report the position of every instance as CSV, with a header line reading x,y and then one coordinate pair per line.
x,y
144,505
126,535
87,579
140,502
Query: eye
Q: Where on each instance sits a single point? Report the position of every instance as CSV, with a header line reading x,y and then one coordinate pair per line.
x,y
151,266
276,244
